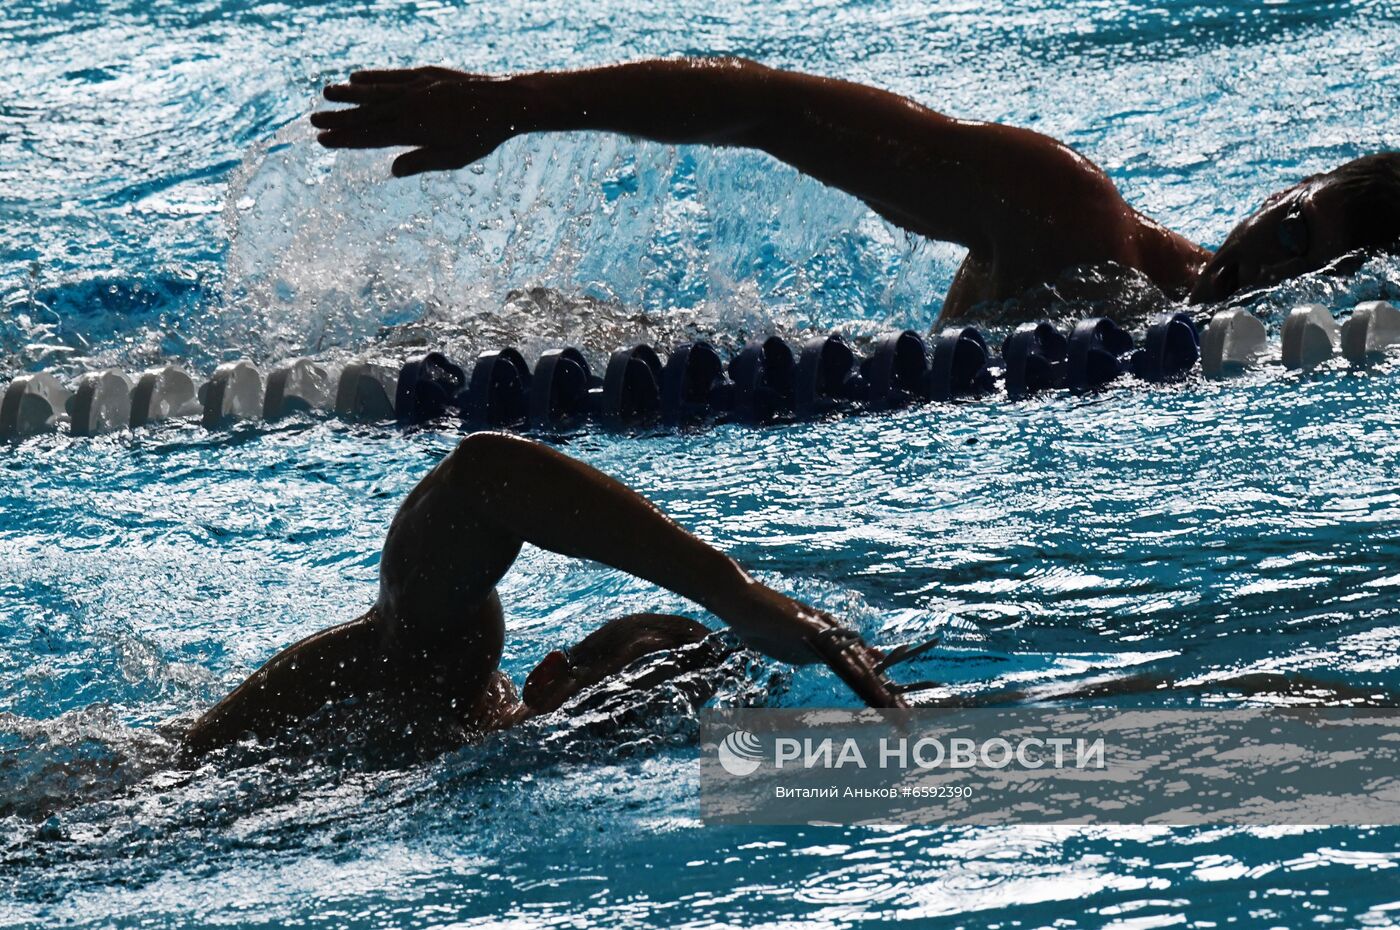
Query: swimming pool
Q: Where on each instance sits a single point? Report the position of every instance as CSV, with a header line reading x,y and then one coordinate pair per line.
x,y
163,200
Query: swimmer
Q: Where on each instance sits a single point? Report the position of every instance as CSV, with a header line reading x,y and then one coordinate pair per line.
x,y
428,651
1026,207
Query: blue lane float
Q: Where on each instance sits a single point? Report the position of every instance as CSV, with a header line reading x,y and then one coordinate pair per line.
x,y
693,385
1097,347
429,388
827,378
1034,356
1169,350
499,394
631,395
561,389
958,365
896,371
763,375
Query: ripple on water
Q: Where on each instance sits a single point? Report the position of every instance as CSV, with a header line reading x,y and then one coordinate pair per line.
x,y
164,199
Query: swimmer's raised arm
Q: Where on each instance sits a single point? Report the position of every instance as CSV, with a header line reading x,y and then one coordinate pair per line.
x,y
462,526
1010,195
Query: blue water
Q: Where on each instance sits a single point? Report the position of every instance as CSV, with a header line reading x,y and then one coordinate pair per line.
x,y
162,198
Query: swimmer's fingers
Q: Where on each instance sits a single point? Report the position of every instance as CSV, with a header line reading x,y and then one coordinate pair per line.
x,y
454,122
858,665
359,93
871,687
352,118
385,76
374,138
406,75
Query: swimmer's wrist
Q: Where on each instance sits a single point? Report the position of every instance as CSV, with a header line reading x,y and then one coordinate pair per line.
x,y
551,102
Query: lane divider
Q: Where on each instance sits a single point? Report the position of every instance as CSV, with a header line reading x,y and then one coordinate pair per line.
x,y
1309,336
1233,341
32,404
767,380
101,403
162,394
1373,326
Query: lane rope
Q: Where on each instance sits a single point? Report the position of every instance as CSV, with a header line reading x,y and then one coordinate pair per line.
x,y
768,380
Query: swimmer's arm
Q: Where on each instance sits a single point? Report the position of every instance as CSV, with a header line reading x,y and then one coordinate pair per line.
x,y
321,669
977,184
542,497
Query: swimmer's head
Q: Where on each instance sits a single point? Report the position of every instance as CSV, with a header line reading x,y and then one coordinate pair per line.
x,y
1349,209
602,654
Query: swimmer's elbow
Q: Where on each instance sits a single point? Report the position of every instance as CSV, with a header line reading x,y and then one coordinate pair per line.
x,y
736,63
487,450
1025,190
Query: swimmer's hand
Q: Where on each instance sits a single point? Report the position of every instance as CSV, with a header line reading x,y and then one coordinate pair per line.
x,y
790,631
449,118
857,664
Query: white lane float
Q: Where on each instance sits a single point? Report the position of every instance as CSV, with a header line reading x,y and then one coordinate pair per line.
x,y
366,391
163,394
1309,336
1373,326
101,403
235,392
432,386
1234,340
298,386
32,404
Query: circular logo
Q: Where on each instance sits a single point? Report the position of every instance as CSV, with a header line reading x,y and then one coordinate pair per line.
x,y
740,753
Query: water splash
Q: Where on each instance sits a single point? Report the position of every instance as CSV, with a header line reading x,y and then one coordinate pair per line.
x,y
326,251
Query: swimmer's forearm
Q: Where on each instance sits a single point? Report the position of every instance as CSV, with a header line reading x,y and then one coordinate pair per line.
x,y
722,101
919,168
693,100
510,491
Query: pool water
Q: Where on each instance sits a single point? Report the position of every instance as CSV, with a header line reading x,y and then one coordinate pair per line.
x,y
163,198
